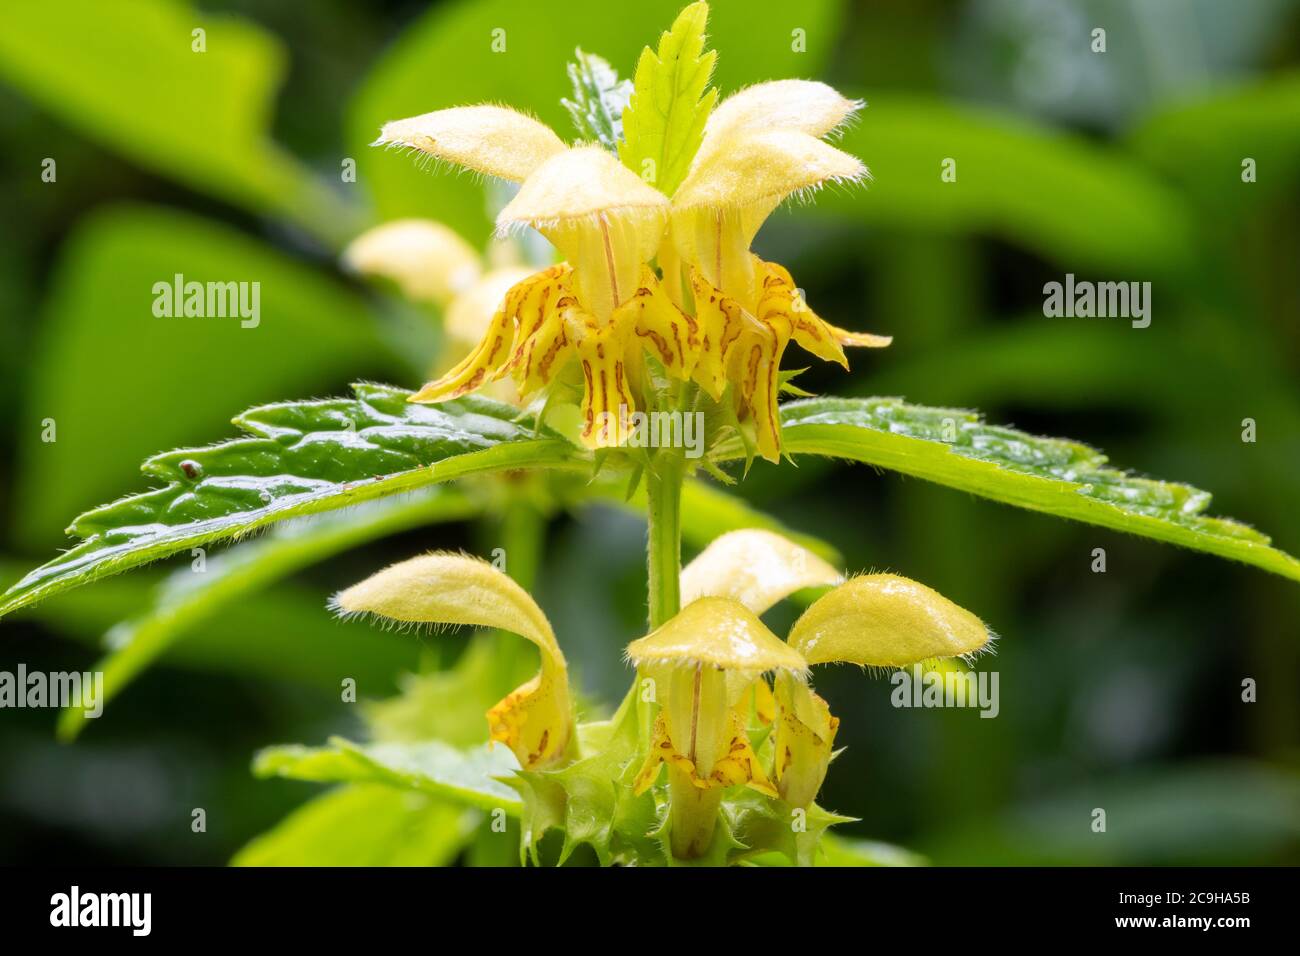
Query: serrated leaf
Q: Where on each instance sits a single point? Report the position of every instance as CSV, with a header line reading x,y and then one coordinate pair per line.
x,y
599,100
467,776
763,825
591,800
187,598
301,458
1051,475
671,101
365,825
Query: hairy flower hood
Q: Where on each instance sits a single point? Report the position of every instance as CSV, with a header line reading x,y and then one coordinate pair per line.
x,y
601,216
602,305
760,147
493,140
536,720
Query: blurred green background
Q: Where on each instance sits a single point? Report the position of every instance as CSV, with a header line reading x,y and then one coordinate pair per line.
x,y
1119,690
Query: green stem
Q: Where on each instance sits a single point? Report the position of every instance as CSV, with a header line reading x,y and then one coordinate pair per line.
x,y
693,812
523,529
519,533
664,535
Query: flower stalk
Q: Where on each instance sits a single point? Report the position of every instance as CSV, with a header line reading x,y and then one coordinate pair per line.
x,y
664,477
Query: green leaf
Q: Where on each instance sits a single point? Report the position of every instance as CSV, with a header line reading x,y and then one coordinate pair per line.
x,y
302,458
1201,144
278,636
365,825
847,851
762,825
187,598
128,74
599,100
841,851
1050,475
121,383
591,800
671,102
1083,204
466,776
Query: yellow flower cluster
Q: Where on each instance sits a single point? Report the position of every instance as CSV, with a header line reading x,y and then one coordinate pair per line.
x,y
711,311
708,664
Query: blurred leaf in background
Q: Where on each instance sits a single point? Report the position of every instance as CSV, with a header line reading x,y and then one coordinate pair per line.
x,y
121,383
365,825
179,91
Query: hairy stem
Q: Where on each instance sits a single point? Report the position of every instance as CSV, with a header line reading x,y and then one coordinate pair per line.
x,y
693,812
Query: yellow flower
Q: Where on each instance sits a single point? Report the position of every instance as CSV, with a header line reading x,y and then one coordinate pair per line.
x,y
430,263
755,567
690,658
707,661
875,620
760,147
469,315
603,305
722,314
707,664
535,720
702,661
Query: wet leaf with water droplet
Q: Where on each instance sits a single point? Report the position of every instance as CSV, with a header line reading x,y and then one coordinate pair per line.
x,y
957,448
298,458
